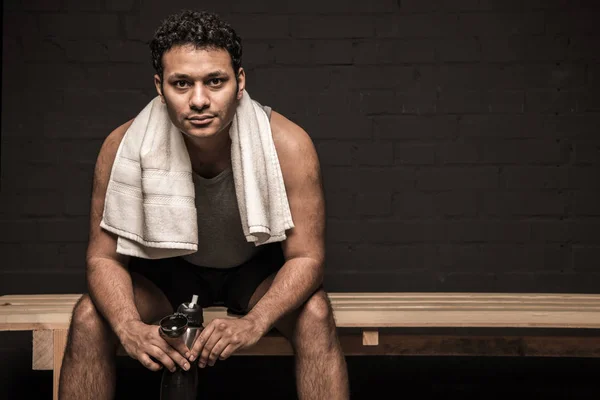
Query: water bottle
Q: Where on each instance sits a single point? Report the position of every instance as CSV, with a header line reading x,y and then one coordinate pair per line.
x,y
185,324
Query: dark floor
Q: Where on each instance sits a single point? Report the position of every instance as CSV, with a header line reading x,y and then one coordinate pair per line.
x,y
370,377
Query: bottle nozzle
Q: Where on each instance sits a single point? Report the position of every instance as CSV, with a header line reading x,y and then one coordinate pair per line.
x,y
194,300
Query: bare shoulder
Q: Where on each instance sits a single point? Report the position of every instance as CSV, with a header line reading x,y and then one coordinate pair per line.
x,y
102,243
295,148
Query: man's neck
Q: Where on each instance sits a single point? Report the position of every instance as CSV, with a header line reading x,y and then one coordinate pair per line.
x,y
209,157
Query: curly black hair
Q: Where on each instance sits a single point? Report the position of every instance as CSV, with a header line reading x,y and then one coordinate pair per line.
x,y
201,29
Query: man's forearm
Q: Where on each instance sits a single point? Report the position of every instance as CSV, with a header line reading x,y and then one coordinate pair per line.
x,y
294,283
111,290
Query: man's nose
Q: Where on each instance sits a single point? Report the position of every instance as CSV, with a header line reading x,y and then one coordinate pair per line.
x,y
199,97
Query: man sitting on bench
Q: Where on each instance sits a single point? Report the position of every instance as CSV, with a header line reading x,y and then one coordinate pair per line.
x,y
277,284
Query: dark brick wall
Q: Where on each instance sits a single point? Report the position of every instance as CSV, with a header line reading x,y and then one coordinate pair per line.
x,y
458,139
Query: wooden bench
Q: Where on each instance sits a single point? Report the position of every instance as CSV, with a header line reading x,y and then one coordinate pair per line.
x,y
459,324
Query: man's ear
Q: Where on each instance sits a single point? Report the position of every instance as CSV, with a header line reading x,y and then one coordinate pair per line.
x,y
158,85
241,83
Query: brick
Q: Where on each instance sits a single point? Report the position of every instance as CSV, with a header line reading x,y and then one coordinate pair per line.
x,y
552,101
46,176
333,52
327,26
373,204
85,51
589,100
46,50
20,24
45,282
127,51
18,230
378,154
410,204
64,230
416,25
546,177
586,258
394,51
586,152
514,257
458,153
381,102
42,5
388,232
120,105
524,48
505,126
120,5
343,231
572,22
29,257
583,48
488,231
462,77
312,6
584,177
293,80
566,231
335,153
525,203
415,127
506,77
414,154
79,25
12,50
120,76
559,75
369,179
501,24
93,5
455,203
586,202
459,50
379,257
260,26
461,102
327,127
338,204
53,151
580,126
522,151
447,178
401,78
359,281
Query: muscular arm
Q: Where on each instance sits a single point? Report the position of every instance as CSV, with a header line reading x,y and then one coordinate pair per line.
x,y
304,247
108,279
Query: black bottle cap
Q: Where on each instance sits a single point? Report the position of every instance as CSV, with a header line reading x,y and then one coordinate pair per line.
x,y
174,325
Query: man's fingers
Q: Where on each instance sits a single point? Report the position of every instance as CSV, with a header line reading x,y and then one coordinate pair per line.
x,y
228,351
178,344
148,363
162,357
201,340
208,348
216,351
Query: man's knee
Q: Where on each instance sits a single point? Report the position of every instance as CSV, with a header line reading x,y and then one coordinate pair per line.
x,y
317,310
88,323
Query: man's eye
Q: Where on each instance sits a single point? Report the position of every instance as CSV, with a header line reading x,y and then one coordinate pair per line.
x,y
215,81
181,84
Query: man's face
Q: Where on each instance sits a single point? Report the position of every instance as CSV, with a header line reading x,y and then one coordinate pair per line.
x,y
200,89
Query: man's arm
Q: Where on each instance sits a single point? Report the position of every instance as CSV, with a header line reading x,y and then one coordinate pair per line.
x,y
304,248
109,282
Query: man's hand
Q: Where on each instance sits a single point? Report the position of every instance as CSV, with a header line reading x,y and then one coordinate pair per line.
x,y
222,337
142,341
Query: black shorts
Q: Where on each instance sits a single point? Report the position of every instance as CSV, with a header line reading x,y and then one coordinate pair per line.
x,y
226,287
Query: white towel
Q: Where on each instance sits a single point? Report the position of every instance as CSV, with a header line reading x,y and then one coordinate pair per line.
x,y
149,201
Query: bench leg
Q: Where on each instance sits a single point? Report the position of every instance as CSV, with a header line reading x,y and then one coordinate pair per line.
x,y
60,341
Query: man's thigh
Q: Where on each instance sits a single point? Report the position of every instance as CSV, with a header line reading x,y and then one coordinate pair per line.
x,y
150,301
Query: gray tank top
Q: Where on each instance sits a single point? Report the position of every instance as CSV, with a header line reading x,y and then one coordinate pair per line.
x,y
221,240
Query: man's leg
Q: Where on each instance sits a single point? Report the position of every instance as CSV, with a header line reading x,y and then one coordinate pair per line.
x,y
321,371
88,369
